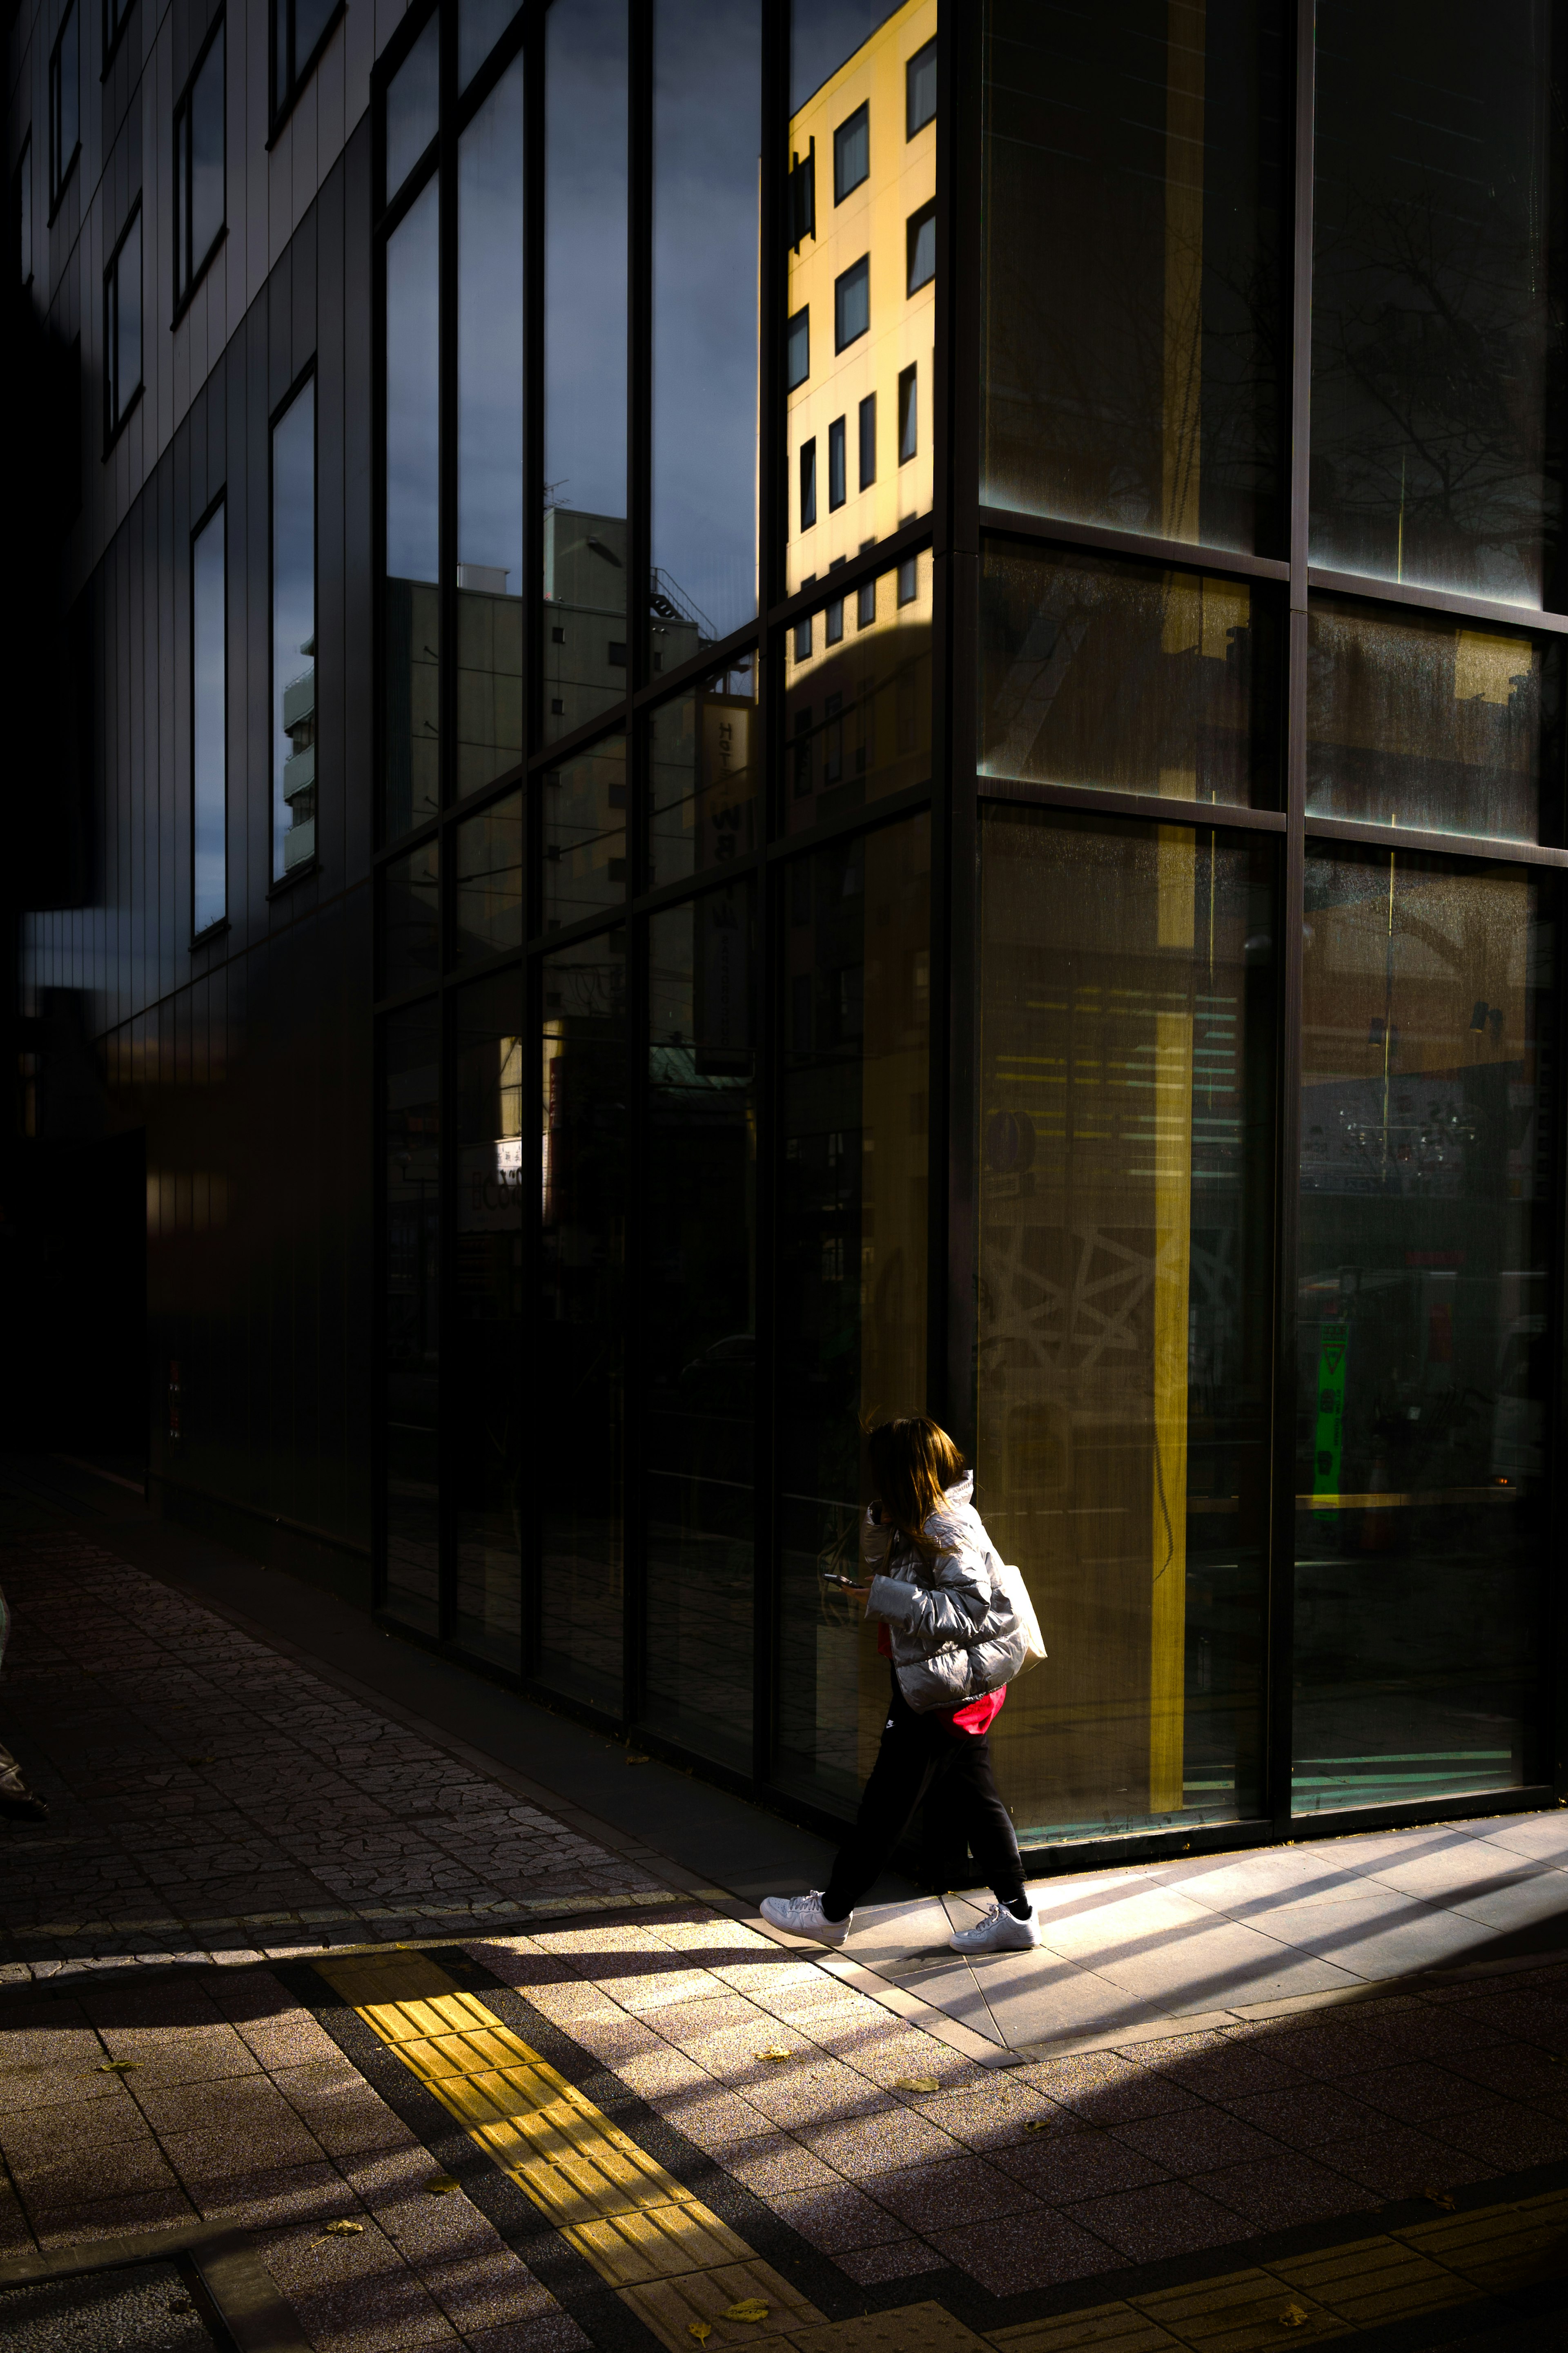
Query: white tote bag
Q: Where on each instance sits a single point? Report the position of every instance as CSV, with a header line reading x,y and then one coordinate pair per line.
x,y
1009,1582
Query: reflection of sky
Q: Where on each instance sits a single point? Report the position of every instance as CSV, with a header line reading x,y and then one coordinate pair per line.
x,y
489,333
480,24
413,349
208,749
707,67
412,101
823,34
585,255
293,578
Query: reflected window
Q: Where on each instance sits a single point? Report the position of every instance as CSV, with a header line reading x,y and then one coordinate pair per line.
x,y
299,29
1414,719
920,244
1128,677
585,830
797,350
488,908
1426,1326
209,727
851,153
868,441
294,776
411,919
412,609
699,1371
1126,1168
122,328
707,111
412,106
65,103
199,148
919,89
852,303
1438,333
703,758
489,438
908,414
410,1395
580,1411
857,716
584,359
854,978
1132,373
484,1403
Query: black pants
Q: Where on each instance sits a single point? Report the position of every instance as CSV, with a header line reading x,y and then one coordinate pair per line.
x,y
922,1753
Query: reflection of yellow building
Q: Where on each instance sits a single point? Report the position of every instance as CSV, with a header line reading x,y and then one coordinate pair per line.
x,y
872,223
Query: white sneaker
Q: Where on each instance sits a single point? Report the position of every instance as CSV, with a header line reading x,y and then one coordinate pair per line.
x,y
1000,1932
803,1915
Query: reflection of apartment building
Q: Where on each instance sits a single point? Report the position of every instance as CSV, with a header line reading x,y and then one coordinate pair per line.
x,y
583,653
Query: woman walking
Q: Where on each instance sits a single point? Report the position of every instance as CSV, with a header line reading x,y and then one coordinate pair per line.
x,y
954,1640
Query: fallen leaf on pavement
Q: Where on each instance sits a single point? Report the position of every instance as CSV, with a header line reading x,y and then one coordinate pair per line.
x,y
1438,2198
702,2329
1295,2315
916,2083
115,2066
636,1756
779,2051
751,2307
1037,2124
344,2230
441,2185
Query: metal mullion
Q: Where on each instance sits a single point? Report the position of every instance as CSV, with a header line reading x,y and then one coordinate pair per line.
x,y
1544,1744
870,564
1530,617
952,1234
534,1371
1472,847
1152,806
771,536
1279,1728
638,456
447,710
1188,555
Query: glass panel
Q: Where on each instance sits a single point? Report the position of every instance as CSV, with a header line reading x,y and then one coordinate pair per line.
x,y
489,880
855,932
209,727
128,318
480,24
584,622
485,1407
68,94
1414,719
411,1131
1436,307
411,919
489,438
1131,371
207,153
1425,1332
707,116
294,633
1136,681
702,777
413,613
310,23
413,105
856,714
585,834
698,1184
856,326
581,1422
1127,1118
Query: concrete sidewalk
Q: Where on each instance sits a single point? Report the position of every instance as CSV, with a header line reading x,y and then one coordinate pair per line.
x,y
1324,2077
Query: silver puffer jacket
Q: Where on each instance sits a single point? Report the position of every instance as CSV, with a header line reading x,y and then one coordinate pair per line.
x,y
953,1632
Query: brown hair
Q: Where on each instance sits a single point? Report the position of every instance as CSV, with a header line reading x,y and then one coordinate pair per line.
x,y
913,1461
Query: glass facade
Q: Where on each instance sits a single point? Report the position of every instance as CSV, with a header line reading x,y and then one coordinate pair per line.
x,y
934,640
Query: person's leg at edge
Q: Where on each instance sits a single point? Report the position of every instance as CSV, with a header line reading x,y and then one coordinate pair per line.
x,y
908,1757
993,1842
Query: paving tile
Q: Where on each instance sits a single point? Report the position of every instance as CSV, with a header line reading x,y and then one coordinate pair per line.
x,y
77,2173
1277,2193
873,2145
1196,2143
271,2197
1064,2168
1017,2251
1400,2162
354,2295
835,2217
115,2218
551,2332
1419,2092
778,2163
1104,2088
1170,2218
963,2190
898,2259
1505,2136
1310,2115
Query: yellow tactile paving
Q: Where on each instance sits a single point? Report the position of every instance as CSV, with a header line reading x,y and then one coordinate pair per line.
x,y
1500,2246
1239,2313
666,2254
1103,2328
916,2328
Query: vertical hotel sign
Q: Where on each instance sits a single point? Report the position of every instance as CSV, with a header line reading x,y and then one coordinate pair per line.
x,y
726,788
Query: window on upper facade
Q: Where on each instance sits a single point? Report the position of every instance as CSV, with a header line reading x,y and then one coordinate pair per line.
x,y
22,214
122,327
908,415
868,440
199,191
300,28
209,727
922,248
294,633
116,13
807,484
851,153
65,103
919,89
797,350
852,303
837,486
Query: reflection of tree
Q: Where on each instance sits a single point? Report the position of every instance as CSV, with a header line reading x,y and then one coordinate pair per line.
x,y
1428,377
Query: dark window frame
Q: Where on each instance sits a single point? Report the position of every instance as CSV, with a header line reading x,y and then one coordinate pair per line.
x,y
858,271
927,52
209,514
308,375
859,120
798,325
188,270
925,216
837,464
808,484
909,417
297,71
117,409
866,422
115,19
61,166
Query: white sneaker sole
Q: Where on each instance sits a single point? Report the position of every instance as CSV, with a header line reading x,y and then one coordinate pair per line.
x,y
962,1942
